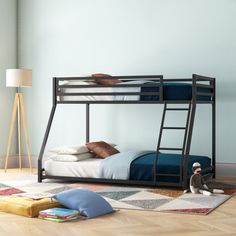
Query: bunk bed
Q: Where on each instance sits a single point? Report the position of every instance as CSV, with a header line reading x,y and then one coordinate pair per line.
x,y
155,168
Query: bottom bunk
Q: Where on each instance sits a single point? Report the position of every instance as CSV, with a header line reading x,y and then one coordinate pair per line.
x,y
133,166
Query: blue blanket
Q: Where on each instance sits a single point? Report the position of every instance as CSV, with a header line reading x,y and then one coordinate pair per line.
x,y
174,91
168,163
138,165
117,166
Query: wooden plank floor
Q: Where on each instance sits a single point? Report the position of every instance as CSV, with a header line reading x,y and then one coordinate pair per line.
x,y
222,221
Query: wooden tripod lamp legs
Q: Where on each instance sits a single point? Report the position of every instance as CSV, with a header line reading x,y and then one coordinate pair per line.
x,y
20,107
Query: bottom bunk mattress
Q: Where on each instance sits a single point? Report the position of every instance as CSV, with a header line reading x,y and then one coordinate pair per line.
x,y
86,168
133,165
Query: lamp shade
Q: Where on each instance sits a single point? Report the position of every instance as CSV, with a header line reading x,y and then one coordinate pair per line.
x,y
18,78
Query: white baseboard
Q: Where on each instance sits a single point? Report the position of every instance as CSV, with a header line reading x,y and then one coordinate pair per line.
x,y
225,169
13,161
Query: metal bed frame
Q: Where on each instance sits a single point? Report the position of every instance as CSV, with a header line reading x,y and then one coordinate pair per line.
x,y
197,81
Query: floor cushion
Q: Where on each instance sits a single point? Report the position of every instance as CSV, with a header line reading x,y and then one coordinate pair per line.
x,y
26,206
88,203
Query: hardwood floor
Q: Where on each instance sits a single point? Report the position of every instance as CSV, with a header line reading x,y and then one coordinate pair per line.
x,y
222,221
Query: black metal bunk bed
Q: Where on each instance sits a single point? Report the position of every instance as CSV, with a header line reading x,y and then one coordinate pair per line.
x,y
202,91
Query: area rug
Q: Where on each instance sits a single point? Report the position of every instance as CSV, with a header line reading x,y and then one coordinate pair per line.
x,y
133,198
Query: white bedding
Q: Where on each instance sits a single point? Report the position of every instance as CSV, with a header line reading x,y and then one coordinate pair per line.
x,y
103,89
85,168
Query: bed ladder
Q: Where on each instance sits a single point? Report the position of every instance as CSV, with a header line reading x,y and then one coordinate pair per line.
x,y
188,129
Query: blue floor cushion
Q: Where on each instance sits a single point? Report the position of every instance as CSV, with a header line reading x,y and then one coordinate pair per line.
x,y
88,203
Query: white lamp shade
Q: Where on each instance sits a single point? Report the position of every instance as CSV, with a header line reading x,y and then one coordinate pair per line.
x,y
18,78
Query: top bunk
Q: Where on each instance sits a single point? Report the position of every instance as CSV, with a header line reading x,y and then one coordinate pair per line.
x,y
147,89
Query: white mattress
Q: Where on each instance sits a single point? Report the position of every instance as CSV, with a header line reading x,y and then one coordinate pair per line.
x,y
85,168
100,90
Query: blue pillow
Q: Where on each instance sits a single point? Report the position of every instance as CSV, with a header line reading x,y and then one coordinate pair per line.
x,y
88,203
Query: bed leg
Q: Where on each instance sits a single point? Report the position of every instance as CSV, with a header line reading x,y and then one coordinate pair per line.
x,y
40,177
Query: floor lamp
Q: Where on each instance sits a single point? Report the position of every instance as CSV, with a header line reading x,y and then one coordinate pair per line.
x,y
18,78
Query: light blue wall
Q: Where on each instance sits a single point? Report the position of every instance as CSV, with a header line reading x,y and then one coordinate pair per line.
x,y
7,60
171,37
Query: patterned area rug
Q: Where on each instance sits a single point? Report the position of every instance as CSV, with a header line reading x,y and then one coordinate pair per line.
x,y
162,200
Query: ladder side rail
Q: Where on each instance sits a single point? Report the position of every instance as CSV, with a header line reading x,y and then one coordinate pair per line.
x,y
184,142
159,142
190,131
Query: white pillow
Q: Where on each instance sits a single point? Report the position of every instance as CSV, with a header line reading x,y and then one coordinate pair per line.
x,y
71,158
71,150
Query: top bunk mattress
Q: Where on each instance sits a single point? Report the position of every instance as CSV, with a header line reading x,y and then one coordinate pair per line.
x,y
171,91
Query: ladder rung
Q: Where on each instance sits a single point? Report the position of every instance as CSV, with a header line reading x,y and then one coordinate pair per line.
x,y
174,175
174,149
174,127
177,109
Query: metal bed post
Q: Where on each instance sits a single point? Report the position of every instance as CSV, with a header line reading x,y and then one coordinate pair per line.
x,y
160,134
87,122
161,89
214,128
54,102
